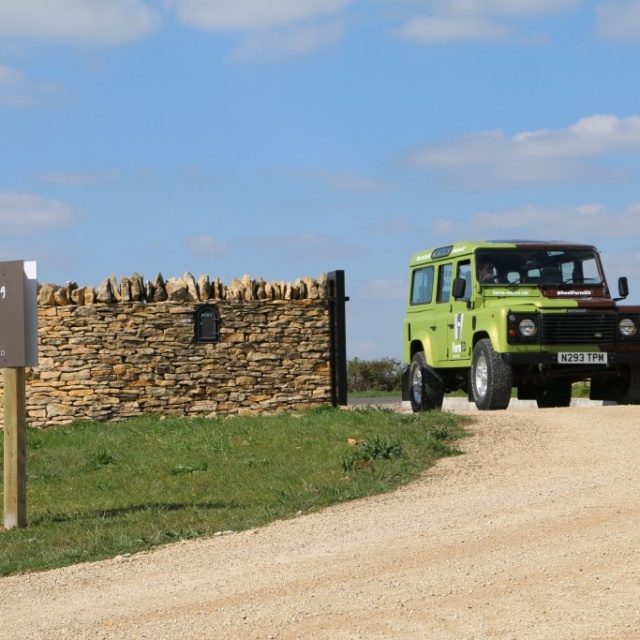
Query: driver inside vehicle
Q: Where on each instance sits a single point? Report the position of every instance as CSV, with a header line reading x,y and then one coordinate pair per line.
x,y
487,273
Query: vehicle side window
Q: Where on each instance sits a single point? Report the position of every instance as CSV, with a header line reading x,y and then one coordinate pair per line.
x,y
422,286
444,282
464,272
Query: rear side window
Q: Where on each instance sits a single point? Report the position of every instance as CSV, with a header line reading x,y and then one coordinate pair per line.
x,y
422,286
444,282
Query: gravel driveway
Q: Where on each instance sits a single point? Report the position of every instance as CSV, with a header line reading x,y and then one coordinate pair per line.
x,y
533,533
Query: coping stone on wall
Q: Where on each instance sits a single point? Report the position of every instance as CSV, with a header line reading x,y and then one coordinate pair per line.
x,y
180,290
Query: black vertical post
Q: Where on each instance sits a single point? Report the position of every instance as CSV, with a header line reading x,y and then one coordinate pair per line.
x,y
338,331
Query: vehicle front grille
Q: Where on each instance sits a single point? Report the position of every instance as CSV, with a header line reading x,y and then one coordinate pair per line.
x,y
588,328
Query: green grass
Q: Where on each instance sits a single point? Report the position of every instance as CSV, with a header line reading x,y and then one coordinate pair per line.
x,y
99,490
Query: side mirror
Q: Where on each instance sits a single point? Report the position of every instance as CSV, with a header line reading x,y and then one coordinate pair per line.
x,y
623,288
459,288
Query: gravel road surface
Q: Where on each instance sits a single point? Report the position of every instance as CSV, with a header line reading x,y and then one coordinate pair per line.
x,y
533,533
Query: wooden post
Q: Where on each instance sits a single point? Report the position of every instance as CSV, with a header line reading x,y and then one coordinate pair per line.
x,y
15,448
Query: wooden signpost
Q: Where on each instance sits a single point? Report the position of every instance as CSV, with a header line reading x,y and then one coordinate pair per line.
x,y
18,349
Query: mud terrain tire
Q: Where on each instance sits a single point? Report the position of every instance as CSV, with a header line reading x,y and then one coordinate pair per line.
x,y
491,378
425,385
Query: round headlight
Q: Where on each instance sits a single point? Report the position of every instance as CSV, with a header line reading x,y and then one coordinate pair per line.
x,y
627,327
527,328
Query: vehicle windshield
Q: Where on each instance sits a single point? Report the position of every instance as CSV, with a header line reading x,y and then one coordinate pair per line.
x,y
539,265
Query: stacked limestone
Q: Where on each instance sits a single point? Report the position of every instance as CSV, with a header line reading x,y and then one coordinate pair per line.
x,y
180,290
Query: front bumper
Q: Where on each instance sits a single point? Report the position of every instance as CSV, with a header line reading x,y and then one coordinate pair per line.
x,y
544,357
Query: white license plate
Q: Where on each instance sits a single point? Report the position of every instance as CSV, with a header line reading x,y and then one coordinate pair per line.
x,y
582,357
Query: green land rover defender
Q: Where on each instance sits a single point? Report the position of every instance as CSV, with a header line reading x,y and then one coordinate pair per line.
x,y
485,317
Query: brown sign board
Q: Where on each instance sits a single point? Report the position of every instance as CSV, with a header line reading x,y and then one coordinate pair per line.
x,y
18,314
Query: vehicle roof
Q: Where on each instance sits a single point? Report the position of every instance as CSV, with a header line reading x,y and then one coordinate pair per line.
x,y
468,247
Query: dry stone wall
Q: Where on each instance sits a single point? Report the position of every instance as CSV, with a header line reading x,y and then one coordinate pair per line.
x,y
128,348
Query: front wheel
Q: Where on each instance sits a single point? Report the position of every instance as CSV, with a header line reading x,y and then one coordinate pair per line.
x,y
491,378
425,385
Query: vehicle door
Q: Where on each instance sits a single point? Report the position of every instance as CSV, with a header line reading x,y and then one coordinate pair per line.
x,y
459,325
442,316
419,319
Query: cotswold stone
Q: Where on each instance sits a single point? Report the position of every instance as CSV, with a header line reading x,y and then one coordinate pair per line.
x,y
248,288
323,286
235,290
204,287
149,291
176,290
46,294
137,288
77,296
115,291
125,289
160,293
61,296
192,288
107,360
104,292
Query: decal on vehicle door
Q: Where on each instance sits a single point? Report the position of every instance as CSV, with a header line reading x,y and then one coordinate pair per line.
x,y
458,321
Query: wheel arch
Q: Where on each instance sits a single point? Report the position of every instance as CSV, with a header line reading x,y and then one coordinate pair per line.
x,y
480,335
421,345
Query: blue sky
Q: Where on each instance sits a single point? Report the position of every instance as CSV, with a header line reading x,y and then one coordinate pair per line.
x,y
287,138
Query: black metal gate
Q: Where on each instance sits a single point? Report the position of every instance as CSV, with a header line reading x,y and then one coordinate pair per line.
x,y
338,330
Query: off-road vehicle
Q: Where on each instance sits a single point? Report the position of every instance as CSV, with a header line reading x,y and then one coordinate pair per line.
x,y
487,317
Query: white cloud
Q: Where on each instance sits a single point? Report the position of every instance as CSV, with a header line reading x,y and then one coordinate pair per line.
x,y
17,90
618,264
28,214
278,29
86,21
619,20
533,157
206,246
248,15
450,28
475,20
586,223
289,41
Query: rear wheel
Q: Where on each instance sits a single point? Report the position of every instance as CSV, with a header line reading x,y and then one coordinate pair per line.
x,y
558,394
425,385
491,378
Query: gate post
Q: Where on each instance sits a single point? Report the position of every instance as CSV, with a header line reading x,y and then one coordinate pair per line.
x,y
338,333
18,349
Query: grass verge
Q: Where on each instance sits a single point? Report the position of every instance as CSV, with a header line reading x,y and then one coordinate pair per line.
x,y
100,490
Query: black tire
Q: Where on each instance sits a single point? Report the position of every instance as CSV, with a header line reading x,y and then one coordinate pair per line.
x,y
630,391
491,379
425,385
556,395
